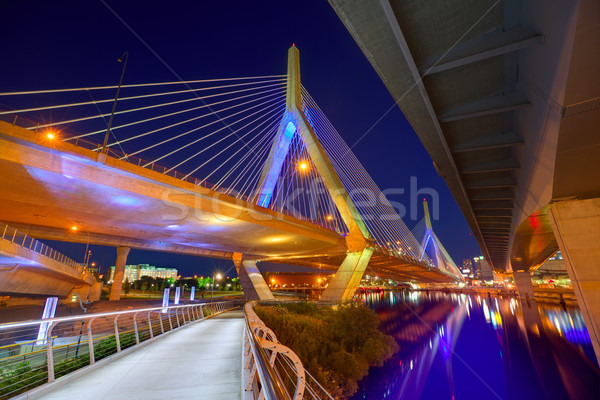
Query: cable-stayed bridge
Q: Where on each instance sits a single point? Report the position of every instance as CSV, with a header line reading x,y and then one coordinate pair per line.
x,y
246,168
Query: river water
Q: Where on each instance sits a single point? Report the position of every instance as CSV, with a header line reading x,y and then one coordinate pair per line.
x,y
456,346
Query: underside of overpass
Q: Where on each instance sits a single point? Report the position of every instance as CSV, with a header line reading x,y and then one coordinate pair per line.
x,y
505,97
488,86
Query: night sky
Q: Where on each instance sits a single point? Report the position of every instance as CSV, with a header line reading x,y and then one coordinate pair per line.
x,y
49,45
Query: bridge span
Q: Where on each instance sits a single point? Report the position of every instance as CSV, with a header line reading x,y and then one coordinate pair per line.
x,y
28,265
301,197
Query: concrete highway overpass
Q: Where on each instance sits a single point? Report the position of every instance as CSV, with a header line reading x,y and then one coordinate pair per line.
x,y
505,97
50,187
29,266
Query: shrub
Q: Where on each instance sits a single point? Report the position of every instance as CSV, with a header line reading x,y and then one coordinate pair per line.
x,y
337,347
21,377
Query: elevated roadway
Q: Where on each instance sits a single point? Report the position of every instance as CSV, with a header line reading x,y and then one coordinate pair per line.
x,y
29,266
505,97
52,186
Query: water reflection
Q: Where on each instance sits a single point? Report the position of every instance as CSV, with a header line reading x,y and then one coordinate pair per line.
x,y
463,346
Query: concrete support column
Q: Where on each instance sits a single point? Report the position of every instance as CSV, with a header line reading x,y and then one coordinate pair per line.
x,y
348,276
524,285
115,291
531,312
252,281
576,225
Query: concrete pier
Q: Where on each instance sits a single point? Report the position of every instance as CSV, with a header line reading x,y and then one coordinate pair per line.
x,y
576,225
115,291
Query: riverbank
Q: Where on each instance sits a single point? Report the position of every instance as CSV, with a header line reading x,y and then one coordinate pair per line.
x,y
554,296
542,295
337,347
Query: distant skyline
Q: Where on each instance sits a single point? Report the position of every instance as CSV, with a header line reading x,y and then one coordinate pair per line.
x,y
76,44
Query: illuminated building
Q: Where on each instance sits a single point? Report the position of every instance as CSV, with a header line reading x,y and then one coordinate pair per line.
x,y
482,270
135,272
467,267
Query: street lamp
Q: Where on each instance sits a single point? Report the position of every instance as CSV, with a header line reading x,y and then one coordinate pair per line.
x,y
75,297
88,252
112,114
212,292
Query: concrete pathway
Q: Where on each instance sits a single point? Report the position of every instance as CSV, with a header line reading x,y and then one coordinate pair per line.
x,y
200,361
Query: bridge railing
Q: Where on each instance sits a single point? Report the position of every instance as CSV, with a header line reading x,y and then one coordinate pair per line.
x,y
33,353
271,370
27,242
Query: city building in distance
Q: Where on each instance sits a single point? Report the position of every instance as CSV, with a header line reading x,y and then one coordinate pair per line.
x,y
135,272
467,268
482,269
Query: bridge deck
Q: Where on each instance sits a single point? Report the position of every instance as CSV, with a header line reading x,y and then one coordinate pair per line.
x,y
201,361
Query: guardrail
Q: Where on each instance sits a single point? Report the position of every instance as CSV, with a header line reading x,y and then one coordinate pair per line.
x,y
273,371
34,245
70,343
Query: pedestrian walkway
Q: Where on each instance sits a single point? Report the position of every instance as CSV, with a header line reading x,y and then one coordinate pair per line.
x,y
200,361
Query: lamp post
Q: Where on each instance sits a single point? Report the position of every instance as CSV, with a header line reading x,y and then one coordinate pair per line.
x,y
81,303
88,252
212,292
112,114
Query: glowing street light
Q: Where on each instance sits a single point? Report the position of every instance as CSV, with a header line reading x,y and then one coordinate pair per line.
x,y
302,166
212,291
50,135
74,228
329,218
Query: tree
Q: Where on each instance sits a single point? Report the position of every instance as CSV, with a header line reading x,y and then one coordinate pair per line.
x,y
126,286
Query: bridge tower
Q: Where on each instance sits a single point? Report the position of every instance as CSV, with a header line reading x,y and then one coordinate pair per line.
x,y
358,239
442,258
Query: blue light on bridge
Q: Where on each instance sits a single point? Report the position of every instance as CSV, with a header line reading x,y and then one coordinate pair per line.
x,y
278,157
125,200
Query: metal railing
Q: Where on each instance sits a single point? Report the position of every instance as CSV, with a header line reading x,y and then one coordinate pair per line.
x,y
66,344
27,242
271,370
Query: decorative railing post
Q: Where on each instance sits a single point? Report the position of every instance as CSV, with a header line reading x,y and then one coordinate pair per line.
x,y
162,328
91,341
49,353
150,325
117,338
135,328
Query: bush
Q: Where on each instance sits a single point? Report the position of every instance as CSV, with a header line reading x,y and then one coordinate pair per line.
x,y
20,378
337,347
72,364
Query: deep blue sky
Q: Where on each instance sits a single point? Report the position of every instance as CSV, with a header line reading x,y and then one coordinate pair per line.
x,y
76,43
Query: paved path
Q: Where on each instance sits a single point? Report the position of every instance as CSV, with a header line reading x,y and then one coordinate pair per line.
x,y
200,361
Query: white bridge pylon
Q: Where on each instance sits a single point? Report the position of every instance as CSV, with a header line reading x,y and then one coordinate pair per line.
x,y
295,124
439,256
358,239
